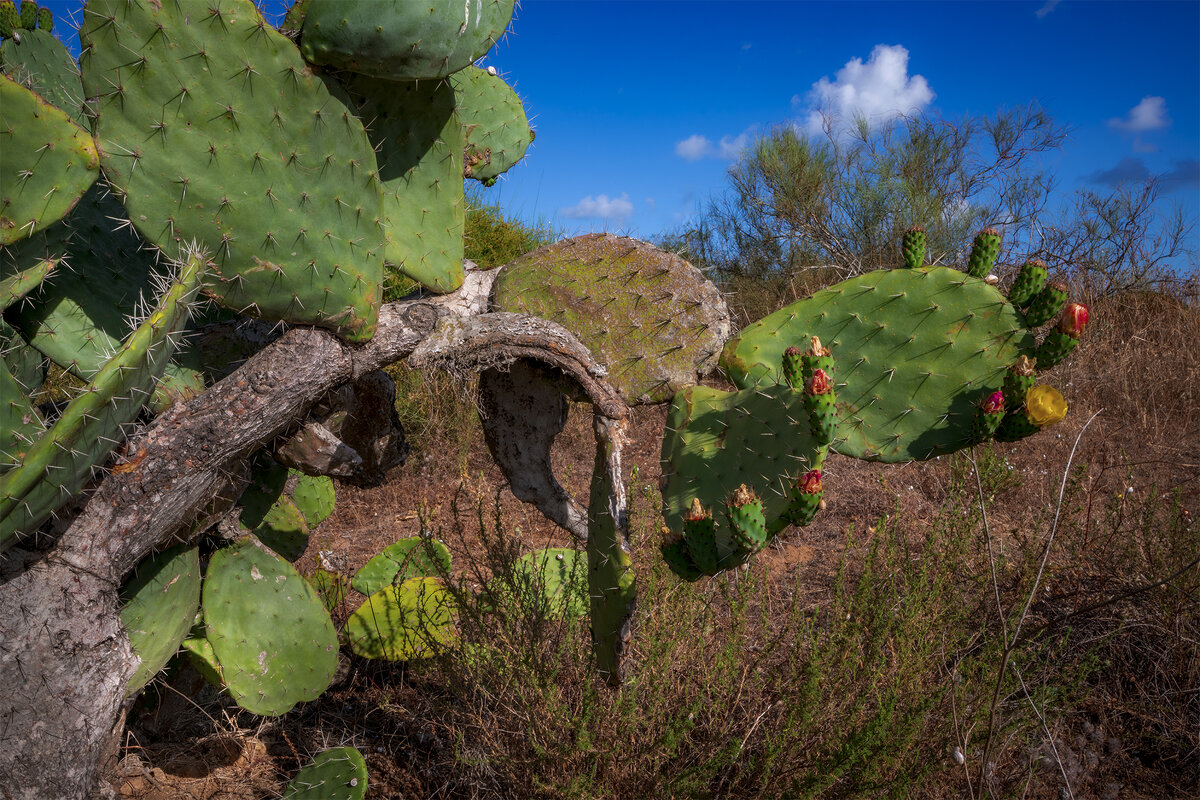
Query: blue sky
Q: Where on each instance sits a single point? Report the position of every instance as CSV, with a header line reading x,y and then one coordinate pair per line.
x,y
640,107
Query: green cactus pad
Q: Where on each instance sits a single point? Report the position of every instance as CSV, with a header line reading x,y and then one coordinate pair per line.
x,y
269,630
716,441
984,250
29,14
57,466
1028,283
216,131
494,122
912,248
803,507
747,525
47,162
1053,349
653,320
420,150
20,423
268,482
315,496
553,580
402,40
404,622
200,652
40,62
283,529
916,350
336,774
45,20
408,558
1046,304
159,603
10,18
679,560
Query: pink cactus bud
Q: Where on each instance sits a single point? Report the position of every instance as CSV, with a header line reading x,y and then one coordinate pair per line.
x,y
994,404
1074,319
819,383
810,482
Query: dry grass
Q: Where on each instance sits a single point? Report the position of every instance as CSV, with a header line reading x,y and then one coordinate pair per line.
x,y
853,657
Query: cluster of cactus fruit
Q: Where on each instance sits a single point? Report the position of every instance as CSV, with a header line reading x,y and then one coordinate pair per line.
x,y
902,364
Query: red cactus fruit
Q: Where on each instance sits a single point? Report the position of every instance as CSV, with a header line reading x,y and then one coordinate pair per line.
x,y
810,482
1074,319
819,383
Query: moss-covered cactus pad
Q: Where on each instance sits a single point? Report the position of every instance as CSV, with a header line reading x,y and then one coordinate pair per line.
x,y
716,441
916,351
653,320
402,39
412,620
215,130
47,162
269,630
336,774
494,123
159,605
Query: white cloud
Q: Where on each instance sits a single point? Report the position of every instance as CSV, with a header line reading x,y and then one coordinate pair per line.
x,y
1046,9
879,90
613,209
696,146
693,148
1148,115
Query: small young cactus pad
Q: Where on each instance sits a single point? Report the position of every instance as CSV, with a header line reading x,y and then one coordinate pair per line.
x,y
336,774
159,603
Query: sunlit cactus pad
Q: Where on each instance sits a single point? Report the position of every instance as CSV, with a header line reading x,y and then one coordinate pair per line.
x,y
715,441
270,631
42,63
339,773
215,130
916,350
494,122
412,620
412,557
402,39
47,162
653,320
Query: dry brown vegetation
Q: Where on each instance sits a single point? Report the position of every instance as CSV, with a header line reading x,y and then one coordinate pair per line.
x,y
1059,632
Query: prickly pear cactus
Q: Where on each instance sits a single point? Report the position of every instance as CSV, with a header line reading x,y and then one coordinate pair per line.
x,y
412,620
336,774
269,630
650,317
401,40
159,604
494,123
217,131
413,557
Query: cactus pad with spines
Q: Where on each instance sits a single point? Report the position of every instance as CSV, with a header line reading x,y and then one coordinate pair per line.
x,y
413,557
916,349
648,316
1045,304
494,123
47,162
1029,281
984,250
336,774
315,496
402,40
420,151
412,620
215,130
912,248
58,464
159,603
269,630
715,441
40,62
553,580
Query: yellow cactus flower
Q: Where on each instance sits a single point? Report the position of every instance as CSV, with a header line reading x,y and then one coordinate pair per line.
x,y
1045,405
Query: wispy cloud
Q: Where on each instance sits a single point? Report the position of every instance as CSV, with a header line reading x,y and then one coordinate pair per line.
x,y
1127,170
1047,8
878,90
611,209
1185,175
697,146
1148,115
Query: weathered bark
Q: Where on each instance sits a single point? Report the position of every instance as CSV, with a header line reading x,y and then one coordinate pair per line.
x,y
64,658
